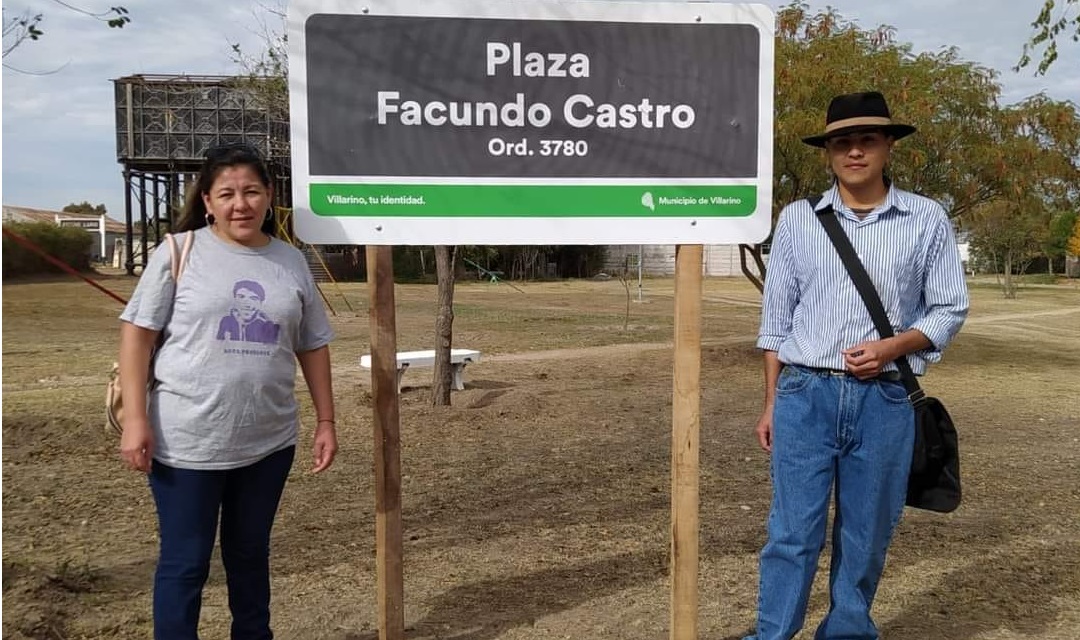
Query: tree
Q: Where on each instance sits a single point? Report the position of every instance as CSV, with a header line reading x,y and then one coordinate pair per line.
x,y
265,76
1039,141
820,55
959,157
1074,239
1006,237
1057,241
27,26
953,102
1042,140
85,207
445,263
1047,27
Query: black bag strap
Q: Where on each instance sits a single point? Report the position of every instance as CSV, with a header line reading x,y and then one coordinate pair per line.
x,y
867,291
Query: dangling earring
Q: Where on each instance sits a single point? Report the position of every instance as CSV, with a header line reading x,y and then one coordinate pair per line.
x,y
209,219
269,213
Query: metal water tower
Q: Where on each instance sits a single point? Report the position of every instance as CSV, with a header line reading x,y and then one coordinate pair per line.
x,y
164,126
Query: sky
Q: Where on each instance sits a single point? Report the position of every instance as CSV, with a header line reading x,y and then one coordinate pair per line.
x,y
59,139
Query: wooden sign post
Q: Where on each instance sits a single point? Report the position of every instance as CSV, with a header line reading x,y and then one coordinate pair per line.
x,y
388,538
685,427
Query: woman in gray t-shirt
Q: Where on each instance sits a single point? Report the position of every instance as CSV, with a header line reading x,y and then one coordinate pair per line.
x,y
218,431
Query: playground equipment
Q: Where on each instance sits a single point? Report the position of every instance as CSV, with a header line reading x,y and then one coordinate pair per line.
x,y
493,276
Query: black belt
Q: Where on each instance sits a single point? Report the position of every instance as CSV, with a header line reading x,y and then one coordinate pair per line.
x,y
887,376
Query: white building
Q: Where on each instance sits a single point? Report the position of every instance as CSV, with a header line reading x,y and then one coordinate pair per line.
x,y
659,259
107,230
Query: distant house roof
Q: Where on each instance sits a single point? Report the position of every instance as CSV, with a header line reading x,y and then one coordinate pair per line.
x,y
26,214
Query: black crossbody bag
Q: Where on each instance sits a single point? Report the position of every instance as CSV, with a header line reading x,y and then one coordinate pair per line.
x,y
934,482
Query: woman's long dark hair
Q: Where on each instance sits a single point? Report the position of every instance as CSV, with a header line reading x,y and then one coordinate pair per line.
x,y
216,160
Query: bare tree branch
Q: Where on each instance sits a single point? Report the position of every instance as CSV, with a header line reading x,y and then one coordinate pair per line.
x,y
36,73
19,29
26,27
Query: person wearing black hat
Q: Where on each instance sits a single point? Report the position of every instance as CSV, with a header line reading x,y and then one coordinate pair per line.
x,y
837,420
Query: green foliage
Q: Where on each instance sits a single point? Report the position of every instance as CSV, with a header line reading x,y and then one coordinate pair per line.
x,y
68,244
952,102
1048,27
1006,238
116,17
1061,229
516,262
1040,278
525,262
1073,245
85,207
1003,170
579,261
969,150
999,229
414,264
1040,142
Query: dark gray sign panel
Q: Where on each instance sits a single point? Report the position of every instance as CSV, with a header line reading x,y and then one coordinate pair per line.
x,y
637,73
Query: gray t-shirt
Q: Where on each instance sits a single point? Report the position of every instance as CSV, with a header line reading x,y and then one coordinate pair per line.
x,y
226,373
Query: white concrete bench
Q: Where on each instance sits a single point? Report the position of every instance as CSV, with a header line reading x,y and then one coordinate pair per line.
x,y
414,359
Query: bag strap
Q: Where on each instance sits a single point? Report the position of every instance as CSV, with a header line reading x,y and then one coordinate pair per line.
x,y
867,291
189,241
179,261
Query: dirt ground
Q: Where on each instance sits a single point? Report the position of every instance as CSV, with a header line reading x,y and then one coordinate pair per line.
x,y
538,505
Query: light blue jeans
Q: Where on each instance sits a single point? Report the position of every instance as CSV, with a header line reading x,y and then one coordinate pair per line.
x,y
832,431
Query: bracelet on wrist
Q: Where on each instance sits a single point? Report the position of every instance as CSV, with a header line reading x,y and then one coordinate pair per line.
x,y
320,421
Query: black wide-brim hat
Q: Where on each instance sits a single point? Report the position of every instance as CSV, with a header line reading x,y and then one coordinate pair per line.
x,y
854,112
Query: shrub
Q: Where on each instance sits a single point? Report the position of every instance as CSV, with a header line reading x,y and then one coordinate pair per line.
x,y
1040,278
70,245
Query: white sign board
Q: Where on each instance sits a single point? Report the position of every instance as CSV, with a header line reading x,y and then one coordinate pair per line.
x,y
540,122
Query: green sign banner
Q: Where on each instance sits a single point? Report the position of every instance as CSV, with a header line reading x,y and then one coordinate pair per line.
x,y
557,201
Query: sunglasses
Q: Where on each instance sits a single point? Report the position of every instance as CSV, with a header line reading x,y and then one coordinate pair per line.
x,y
242,151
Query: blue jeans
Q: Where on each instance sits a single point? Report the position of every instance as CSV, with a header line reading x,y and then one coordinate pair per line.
x,y
188,504
832,432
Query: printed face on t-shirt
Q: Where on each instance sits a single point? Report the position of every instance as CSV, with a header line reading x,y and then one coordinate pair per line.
x,y
248,304
246,321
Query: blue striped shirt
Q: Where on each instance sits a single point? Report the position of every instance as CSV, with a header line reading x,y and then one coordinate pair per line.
x,y
811,310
